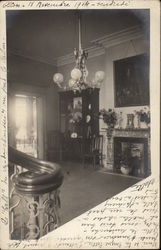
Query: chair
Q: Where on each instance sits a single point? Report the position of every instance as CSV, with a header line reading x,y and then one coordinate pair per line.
x,y
95,151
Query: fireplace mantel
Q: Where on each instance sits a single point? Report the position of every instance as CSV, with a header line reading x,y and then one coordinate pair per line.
x,y
135,132
124,132
132,129
132,132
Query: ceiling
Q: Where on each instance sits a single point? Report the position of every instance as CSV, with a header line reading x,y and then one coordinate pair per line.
x,y
49,34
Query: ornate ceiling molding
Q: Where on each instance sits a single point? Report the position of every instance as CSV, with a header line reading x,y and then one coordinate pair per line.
x,y
119,37
100,45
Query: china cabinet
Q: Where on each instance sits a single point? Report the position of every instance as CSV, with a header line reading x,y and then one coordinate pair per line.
x,y
78,119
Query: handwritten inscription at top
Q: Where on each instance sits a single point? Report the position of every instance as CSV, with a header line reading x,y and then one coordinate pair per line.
x,y
66,4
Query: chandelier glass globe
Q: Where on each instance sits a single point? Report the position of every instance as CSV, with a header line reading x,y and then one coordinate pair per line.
x,y
58,78
99,76
76,74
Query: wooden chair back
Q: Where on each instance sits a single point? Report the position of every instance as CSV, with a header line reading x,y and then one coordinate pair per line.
x,y
97,144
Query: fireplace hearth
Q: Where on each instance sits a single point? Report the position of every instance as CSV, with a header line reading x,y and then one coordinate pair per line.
x,y
131,156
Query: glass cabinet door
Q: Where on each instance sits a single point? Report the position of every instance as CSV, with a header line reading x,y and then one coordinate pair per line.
x,y
75,117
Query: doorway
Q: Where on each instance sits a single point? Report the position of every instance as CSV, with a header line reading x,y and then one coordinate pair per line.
x,y
27,117
26,124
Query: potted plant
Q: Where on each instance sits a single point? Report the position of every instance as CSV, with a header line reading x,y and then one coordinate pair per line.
x,y
109,117
126,161
143,117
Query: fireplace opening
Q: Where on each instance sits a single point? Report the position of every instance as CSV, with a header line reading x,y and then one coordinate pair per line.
x,y
131,156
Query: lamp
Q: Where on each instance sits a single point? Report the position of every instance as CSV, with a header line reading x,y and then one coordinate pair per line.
x,y
79,74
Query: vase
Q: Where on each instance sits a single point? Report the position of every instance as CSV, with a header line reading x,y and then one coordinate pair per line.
x,y
130,121
143,125
125,169
138,119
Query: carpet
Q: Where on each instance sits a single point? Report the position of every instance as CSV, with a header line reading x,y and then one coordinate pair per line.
x,y
85,188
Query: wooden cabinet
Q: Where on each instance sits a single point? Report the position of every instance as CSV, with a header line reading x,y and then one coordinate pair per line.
x,y
78,119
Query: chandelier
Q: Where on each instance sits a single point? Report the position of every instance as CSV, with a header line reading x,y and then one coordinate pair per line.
x,y
79,74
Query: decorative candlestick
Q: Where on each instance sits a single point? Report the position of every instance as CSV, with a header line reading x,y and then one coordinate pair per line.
x,y
120,120
130,121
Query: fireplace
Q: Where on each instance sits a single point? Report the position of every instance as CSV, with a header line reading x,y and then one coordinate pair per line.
x,y
131,156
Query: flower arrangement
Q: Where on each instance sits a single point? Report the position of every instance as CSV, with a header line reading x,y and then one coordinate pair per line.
x,y
144,116
109,117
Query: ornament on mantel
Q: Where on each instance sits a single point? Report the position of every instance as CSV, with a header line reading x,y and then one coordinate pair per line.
x,y
130,121
143,117
120,120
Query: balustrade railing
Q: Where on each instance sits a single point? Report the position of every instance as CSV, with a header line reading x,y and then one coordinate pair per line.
x,y
34,196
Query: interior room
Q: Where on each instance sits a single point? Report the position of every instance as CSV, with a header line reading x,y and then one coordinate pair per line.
x,y
78,112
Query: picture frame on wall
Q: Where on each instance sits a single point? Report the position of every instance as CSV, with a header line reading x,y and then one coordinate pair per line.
x,y
131,81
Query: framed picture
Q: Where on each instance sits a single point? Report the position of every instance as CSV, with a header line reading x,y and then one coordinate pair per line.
x,y
131,81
